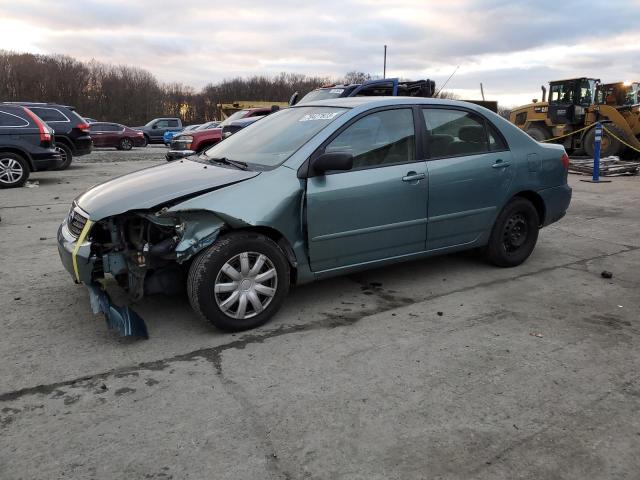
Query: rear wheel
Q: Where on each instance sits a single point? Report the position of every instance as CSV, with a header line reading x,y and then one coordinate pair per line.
x,y
65,154
239,282
609,145
125,144
514,234
14,170
539,134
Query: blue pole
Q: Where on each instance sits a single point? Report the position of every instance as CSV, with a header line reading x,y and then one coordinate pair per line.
x,y
596,152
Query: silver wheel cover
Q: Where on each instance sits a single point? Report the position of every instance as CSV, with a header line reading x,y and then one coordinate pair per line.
x,y
245,285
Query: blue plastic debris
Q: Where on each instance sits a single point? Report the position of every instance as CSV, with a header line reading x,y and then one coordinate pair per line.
x,y
122,319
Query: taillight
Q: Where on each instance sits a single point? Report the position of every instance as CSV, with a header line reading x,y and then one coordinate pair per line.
x,y
565,160
84,127
45,134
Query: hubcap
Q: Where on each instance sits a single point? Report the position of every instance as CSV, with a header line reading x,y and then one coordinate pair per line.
x,y
10,170
245,285
126,143
515,232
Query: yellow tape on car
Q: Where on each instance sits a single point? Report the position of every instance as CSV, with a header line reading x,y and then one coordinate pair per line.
x,y
74,254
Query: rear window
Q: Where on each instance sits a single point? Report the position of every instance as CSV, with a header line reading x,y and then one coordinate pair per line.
x,y
8,120
49,114
323,94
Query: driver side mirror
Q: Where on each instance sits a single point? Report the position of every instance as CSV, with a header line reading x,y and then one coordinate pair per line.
x,y
155,126
326,162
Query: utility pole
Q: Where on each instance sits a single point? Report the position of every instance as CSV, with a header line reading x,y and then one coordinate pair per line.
x,y
482,91
384,68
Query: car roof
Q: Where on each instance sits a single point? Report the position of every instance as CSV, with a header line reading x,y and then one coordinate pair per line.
x,y
40,104
355,102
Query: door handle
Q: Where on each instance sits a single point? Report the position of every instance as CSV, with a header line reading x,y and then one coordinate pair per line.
x,y
413,177
501,164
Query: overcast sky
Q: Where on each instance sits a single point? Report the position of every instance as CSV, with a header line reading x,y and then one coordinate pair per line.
x,y
513,46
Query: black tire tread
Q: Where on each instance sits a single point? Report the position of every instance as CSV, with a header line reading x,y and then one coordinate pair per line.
x,y
493,250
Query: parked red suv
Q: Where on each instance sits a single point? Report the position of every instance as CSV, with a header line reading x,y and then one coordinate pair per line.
x,y
115,135
191,143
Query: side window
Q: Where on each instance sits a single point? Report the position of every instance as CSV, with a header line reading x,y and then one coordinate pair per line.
x,y
451,133
381,138
496,142
8,120
162,124
49,114
173,123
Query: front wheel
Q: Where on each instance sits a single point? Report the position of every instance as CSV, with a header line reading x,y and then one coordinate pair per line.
x,y
65,155
14,170
609,145
239,282
514,234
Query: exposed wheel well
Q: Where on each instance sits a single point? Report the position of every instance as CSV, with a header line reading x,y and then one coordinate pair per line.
x,y
19,152
537,202
282,242
65,141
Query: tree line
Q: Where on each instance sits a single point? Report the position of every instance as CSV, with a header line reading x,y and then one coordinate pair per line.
x,y
131,95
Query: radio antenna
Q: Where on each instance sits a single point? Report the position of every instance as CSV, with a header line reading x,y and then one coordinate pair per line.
x,y
445,83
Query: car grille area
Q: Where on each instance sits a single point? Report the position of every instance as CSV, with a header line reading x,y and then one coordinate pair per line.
x,y
76,222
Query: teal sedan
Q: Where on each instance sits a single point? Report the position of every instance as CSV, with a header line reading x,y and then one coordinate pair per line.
x,y
310,192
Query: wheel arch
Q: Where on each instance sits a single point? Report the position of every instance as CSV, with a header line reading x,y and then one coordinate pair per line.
x,y
280,240
537,202
18,151
67,143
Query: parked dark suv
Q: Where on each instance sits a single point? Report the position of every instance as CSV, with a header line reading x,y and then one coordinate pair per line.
x,y
71,130
26,145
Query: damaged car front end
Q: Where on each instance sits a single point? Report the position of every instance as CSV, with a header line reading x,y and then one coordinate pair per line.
x,y
144,251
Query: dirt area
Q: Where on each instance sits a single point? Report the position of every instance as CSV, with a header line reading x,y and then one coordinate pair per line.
x,y
442,368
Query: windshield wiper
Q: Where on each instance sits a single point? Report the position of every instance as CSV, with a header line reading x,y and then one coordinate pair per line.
x,y
227,161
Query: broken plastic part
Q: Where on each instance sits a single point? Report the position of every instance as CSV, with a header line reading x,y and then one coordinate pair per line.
x,y
122,319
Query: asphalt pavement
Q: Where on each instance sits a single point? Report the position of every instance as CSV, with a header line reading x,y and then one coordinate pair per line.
x,y
446,368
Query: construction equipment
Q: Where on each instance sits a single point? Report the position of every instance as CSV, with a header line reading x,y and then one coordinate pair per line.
x,y
574,106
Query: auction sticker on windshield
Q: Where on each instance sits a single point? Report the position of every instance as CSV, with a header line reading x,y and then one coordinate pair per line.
x,y
319,116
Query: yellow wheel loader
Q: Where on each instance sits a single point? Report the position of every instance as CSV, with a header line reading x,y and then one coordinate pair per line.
x,y
573,108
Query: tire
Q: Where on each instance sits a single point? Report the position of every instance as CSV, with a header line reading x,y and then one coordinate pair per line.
x,y
539,134
125,144
609,145
66,154
145,142
514,234
14,170
206,274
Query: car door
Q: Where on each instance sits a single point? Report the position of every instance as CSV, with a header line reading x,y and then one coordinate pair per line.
x,y
376,210
113,134
470,172
158,129
96,130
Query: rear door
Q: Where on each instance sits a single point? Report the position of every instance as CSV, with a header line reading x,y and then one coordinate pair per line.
x,y
470,173
378,209
98,134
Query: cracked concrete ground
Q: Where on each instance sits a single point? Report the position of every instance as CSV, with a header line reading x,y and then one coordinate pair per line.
x,y
443,368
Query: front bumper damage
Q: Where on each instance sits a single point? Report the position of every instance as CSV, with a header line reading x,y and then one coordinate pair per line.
x,y
142,265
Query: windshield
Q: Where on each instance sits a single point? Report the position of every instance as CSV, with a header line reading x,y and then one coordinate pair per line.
x,y
271,141
208,125
237,115
322,94
587,92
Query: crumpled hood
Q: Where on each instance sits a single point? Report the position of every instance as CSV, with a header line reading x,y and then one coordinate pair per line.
x,y
156,185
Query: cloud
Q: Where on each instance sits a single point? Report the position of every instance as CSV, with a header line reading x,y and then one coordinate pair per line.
x,y
512,46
